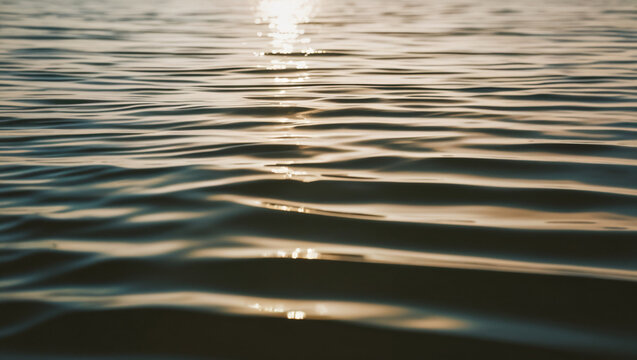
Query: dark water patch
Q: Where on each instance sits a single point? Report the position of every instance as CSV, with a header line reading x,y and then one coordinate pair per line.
x,y
559,246
567,98
163,338
623,175
626,152
558,200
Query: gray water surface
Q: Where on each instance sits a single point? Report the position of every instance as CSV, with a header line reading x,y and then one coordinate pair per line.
x,y
318,179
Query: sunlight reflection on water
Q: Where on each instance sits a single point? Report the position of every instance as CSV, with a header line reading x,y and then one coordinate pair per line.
x,y
284,19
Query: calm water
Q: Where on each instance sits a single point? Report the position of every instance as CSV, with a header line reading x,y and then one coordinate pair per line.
x,y
318,179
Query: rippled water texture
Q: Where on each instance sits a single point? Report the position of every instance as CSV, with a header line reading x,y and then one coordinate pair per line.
x,y
318,179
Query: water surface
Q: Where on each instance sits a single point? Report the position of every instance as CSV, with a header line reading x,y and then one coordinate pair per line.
x,y
320,179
